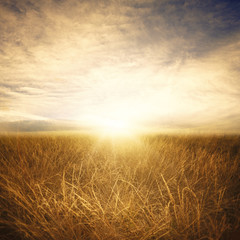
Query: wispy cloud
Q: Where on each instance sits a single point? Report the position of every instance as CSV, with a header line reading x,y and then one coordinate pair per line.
x,y
149,61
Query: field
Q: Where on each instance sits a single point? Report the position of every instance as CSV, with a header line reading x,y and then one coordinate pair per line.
x,y
66,187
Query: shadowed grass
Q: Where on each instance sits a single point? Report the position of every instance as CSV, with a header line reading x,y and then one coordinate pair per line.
x,y
82,187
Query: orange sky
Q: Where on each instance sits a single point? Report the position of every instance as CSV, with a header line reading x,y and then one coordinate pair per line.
x,y
155,64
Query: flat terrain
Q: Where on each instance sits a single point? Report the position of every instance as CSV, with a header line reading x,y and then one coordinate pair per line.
x,y
152,187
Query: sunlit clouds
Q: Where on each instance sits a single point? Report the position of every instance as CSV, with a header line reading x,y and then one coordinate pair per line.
x,y
155,64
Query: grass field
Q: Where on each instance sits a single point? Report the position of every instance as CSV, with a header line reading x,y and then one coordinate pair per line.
x,y
152,187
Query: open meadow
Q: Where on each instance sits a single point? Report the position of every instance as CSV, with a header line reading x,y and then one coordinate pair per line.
x,y
64,187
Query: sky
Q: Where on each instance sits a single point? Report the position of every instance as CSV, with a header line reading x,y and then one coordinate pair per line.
x,y
152,63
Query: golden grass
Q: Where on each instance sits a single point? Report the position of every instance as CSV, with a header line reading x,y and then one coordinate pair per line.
x,y
81,187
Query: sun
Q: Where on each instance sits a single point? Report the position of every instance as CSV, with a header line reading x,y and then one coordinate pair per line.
x,y
114,127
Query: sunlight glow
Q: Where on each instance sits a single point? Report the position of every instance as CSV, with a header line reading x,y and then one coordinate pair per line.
x,y
113,127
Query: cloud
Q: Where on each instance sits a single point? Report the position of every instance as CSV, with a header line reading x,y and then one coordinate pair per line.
x,y
146,60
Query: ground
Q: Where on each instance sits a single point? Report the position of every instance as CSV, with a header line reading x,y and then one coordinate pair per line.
x,y
75,186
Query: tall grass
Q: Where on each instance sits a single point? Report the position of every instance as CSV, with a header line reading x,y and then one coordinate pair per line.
x,y
81,187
